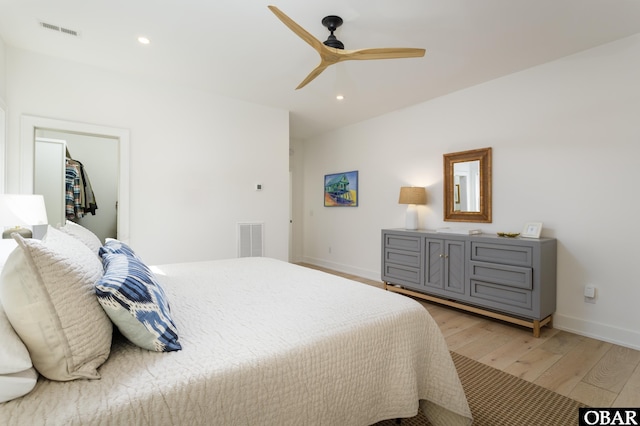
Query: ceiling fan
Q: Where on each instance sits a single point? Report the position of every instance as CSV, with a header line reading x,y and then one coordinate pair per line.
x,y
332,50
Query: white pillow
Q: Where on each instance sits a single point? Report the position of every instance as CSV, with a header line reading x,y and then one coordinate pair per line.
x,y
47,289
14,356
17,384
7,245
89,239
17,376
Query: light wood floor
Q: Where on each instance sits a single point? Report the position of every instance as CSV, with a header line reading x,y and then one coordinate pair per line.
x,y
596,373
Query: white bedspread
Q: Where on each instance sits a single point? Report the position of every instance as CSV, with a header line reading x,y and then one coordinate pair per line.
x,y
266,343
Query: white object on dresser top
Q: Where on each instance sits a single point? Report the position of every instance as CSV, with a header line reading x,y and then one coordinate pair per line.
x,y
461,231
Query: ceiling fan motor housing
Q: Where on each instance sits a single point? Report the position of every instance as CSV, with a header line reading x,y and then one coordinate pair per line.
x,y
332,22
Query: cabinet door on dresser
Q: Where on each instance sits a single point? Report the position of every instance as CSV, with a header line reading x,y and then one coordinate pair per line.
x,y
445,266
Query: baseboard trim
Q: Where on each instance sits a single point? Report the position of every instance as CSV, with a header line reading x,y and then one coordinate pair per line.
x,y
346,269
604,332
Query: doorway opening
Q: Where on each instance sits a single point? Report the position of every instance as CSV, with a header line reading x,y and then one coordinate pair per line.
x,y
32,127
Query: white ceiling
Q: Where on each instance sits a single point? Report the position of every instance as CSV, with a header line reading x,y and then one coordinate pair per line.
x,y
241,50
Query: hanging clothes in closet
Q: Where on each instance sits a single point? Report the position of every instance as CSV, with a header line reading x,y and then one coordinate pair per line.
x,y
79,197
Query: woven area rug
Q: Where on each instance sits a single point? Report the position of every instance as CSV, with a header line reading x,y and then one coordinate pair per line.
x,y
497,398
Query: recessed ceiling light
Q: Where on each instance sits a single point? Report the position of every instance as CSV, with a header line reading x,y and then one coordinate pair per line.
x,y
144,40
340,97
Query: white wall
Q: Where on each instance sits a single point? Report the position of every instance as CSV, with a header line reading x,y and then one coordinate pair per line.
x,y
3,70
194,158
566,149
3,110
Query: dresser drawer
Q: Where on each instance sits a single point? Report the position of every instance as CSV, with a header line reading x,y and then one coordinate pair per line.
x,y
502,297
512,276
400,274
502,253
402,257
402,242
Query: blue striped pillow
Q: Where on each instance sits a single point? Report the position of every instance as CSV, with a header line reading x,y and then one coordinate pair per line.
x,y
136,303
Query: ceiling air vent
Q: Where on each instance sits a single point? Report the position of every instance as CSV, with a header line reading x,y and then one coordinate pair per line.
x,y
59,29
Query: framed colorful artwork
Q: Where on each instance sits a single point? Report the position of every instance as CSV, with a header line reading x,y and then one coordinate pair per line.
x,y
341,189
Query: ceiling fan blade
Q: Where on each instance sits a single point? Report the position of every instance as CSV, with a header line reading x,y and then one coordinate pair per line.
x,y
313,74
293,26
381,53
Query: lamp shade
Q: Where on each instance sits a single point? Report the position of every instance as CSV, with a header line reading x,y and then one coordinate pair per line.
x,y
18,210
412,195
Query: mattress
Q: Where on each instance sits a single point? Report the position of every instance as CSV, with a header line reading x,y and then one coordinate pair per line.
x,y
266,342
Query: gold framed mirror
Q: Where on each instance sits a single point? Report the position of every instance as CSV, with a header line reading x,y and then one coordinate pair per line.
x,y
467,186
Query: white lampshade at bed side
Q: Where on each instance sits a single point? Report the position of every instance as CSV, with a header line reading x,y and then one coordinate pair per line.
x,y
20,212
412,196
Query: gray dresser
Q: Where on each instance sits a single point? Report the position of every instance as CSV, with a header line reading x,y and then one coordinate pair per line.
x,y
511,279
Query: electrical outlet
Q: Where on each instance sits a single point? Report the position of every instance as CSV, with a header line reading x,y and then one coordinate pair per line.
x,y
590,294
590,291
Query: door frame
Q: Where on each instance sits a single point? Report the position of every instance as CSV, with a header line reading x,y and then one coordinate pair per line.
x,y
28,126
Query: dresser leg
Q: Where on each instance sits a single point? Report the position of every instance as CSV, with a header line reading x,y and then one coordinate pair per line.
x,y
537,325
536,328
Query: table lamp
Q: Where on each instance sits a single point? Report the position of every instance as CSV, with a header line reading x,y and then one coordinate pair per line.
x,y
412,195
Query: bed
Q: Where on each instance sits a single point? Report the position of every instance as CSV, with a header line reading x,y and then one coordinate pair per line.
x,y
263,342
